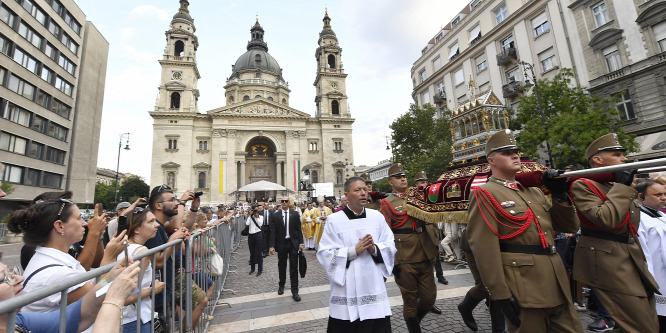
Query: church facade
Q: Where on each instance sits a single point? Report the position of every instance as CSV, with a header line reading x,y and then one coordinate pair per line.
x,y
256,135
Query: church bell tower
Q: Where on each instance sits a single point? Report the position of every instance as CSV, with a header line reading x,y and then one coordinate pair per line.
x,y
178,90
331,99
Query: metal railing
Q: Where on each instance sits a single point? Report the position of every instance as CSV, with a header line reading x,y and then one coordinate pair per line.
x,y
193,268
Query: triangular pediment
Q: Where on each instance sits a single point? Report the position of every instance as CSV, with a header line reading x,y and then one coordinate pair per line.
x,y
258,107
170,165
201,165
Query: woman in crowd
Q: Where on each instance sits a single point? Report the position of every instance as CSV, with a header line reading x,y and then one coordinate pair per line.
x,y
203,247
255,240
53,226
141,226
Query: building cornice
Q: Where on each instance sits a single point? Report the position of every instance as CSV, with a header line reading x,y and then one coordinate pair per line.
x,y
181,64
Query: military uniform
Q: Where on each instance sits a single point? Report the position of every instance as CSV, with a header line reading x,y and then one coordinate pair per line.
x,y
415,258
510,232
608,257
371,203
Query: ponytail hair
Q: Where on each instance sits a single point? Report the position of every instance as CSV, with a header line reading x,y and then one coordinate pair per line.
x,y
36,222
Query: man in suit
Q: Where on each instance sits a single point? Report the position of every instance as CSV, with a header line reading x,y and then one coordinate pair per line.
x,y
608,256
267,214
287,238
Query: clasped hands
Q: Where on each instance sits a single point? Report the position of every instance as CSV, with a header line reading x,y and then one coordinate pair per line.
x,y
365,243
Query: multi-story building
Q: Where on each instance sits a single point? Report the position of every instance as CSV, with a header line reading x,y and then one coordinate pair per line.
x,y
52,74
623,44
108,177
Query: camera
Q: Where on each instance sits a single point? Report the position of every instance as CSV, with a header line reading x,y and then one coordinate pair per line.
x,y
198,194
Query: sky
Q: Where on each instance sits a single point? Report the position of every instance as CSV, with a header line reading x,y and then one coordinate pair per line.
x,y
380,39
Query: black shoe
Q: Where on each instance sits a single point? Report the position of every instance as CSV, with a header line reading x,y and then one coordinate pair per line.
x,y
601,325
413,325
281,290
435,310
442,280
258,273
465,308
251,272
296,297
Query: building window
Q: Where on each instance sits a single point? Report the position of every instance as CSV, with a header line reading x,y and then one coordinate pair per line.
x,y
474,35
39,124
439,37
600,14
7,16
73,23
335,107
57,6
660,35
612,57
513,74
425,99
63,86
422,74
54,29
625,107
203,145
314,175
4,45
331,61
43,99
540,25
437,64
16,114
60,108
179,48
57,131
25,60
337,145
507,43
55,155
66,64
13,174
21,87
47,74
501,14
51,180
454,51
481,64
175,100
49,50
547,59
270,98
455,21
67,41
313,146
459,77
36,150
202,180
173,143
246,98
13,143
30,35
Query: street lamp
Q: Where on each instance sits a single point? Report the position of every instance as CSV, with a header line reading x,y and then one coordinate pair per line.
x,y
388,145
120,144
528,84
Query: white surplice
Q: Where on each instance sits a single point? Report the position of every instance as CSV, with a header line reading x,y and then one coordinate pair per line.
x,y
652,236
357,291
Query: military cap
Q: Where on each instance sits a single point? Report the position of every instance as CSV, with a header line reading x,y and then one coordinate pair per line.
x,y
501,141
421,175
606,142
396,170
366,177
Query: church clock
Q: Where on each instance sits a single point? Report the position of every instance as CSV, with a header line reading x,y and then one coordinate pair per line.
x,y
177,75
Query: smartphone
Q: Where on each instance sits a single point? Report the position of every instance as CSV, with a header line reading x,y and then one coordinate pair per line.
x,y
198,194
122,223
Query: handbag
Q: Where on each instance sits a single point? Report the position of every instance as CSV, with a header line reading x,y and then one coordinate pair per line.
x,y
215,265
245,231
302,264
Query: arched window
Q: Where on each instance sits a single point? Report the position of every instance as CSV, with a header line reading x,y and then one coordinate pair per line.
x,y
179,48
270,98
284,101
202,180
175,100
468,128
479,119
331,61
257,58
246,98
335,107
231,99
314,175
475,126
456,128
258,96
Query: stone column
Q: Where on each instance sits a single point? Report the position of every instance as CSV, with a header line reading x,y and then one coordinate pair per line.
x,y
242,174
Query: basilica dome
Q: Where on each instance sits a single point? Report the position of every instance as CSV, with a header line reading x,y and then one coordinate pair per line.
x,y
257,56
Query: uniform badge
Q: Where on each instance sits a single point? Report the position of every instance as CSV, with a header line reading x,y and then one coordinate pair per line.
x,y
398,208
512,212
508,203
512,186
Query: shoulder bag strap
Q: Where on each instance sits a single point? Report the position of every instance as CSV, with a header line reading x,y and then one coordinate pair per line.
x,y
37,271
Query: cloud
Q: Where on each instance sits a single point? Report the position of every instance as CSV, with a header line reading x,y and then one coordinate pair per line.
x,y
148,10
127,34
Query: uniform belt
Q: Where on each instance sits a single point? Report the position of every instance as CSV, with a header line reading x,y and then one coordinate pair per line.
x,y
409,231
526,248
627,239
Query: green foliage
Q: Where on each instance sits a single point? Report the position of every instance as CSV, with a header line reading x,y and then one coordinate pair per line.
x,y
421,143
133,187
573,120
7,188
381,185
104,195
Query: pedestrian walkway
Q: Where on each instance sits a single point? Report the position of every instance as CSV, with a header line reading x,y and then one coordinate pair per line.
x,y
256,306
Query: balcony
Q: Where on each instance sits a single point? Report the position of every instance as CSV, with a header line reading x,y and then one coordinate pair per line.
x,y
440,97
512,89
507,56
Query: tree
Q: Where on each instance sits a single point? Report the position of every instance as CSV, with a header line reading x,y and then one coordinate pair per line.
x,y
573,120
7,188
132,188
104,195
381,185
421,142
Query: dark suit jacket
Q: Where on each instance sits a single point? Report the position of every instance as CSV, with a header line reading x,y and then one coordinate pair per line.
x,y
278,231
270,216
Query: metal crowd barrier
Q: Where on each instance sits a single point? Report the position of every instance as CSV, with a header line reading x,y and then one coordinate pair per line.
x,y
193,265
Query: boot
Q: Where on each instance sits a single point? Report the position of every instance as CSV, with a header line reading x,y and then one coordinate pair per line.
x,y
465,308
436,310
420,313
496,318
413,325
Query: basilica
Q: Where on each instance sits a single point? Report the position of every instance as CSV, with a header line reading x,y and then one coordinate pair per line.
x,y
256,135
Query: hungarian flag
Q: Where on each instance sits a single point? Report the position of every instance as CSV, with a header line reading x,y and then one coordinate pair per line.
x,y
433,192
478,181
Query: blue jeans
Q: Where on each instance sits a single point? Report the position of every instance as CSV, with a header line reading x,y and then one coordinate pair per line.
x,y
131,327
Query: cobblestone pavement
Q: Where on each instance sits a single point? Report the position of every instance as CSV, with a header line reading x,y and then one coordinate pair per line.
x,y
256,307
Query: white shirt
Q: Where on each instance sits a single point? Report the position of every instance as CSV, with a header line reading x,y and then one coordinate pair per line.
x,y
47,256
129,311
253,228
357,292
652,236
112,227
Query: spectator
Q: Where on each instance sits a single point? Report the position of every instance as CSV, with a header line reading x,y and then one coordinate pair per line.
x,y
255,240
53,226
166,207
112,227
141,226
111,308
202,248
343,204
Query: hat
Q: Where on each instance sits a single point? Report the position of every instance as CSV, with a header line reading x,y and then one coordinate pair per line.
x,y
606,142
123,205
366,177
421,175
396,170
501,141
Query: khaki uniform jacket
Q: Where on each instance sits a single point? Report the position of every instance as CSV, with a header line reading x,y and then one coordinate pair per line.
x,y
412,248
609,265
373,204
534,280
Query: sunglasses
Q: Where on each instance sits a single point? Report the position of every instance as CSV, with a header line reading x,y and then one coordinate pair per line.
x,y
65,202
10,277
164,188
139,209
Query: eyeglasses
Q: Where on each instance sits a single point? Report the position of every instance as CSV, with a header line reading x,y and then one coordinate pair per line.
x,y
173,199
10,277
164,188
139,209
65,202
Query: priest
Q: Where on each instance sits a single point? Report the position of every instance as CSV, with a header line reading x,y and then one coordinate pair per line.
x,y
357,251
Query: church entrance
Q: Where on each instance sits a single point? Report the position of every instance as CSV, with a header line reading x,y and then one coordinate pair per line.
x,y
260,164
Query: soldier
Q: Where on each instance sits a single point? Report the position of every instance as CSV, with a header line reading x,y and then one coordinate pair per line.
x,y
510,232
372,204
608,257
416,253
